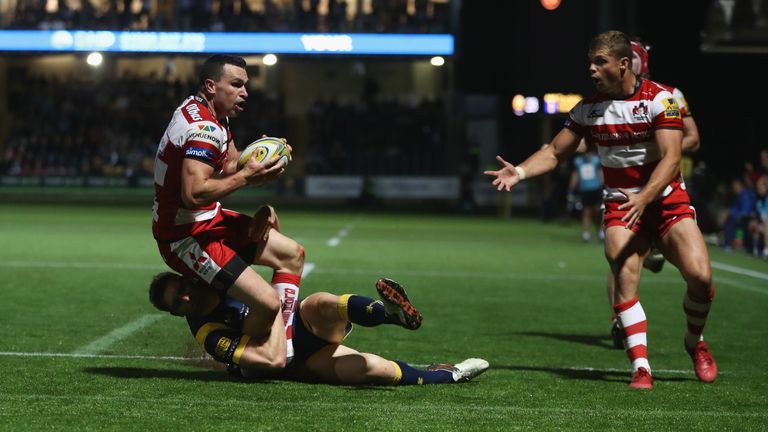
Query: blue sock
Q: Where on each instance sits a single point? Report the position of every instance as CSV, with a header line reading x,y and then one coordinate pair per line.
x,y
409,375
364,311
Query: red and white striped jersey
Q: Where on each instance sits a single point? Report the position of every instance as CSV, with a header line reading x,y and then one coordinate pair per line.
x,y
192,133
681,102
623,133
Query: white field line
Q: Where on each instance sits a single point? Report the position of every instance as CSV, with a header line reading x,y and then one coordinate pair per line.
x,y
123,332
741,285
308,268
97,356
335,241
330,270
739,270
103,265
192,359
118,334
83,265
435,274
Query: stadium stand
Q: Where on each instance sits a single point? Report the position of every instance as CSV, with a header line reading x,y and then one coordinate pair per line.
x,y
390,16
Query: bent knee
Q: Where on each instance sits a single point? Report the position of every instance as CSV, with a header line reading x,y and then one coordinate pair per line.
x,y
293,259
300,255
698,277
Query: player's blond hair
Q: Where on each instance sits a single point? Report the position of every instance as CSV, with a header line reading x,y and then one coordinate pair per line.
x,y
617,43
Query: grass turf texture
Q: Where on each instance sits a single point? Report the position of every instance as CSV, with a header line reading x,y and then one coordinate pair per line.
x,y
528,297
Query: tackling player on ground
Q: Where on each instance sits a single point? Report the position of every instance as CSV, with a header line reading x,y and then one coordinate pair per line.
x,y
320,324
195,166
637,126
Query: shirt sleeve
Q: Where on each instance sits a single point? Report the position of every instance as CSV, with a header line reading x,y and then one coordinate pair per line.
x,y
665,112
202,141
685,110
575,120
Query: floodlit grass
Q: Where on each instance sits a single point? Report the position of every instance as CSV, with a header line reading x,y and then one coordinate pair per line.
x,y
528,297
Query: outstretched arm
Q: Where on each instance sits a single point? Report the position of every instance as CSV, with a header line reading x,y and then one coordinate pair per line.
x,y
543,161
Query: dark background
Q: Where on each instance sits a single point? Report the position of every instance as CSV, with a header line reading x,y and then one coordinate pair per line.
x,y
511,47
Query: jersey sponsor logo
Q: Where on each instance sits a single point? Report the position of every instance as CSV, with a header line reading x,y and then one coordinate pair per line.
x,y
207,128
201,264
199,153
197,261
640,112
621,136
222,347
671,109
194,112
205,137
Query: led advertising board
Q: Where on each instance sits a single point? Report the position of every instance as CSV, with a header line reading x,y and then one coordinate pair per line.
x,y
241,43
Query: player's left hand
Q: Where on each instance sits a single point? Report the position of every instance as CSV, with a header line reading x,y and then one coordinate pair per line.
x,y
635,207
506,177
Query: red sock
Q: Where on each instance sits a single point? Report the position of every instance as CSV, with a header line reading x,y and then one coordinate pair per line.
x,y
696,312
287,286
632,318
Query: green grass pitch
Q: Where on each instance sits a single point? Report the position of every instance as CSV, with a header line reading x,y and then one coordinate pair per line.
x,y
82,349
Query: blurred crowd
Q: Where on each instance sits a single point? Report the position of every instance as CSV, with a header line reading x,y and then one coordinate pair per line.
x,y
100,128
371,137
745,219
388,16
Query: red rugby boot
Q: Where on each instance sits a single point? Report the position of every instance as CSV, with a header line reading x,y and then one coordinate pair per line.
x,y
641,379
703,362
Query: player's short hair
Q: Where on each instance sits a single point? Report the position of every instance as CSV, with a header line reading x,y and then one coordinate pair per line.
x,y
617,43
214,66
157,290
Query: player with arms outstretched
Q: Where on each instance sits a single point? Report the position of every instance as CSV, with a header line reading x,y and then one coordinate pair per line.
x,y
636,126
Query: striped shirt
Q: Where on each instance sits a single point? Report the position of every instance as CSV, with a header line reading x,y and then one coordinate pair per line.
x,y
623,130
195,134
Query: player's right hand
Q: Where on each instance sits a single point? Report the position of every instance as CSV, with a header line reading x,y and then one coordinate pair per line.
x,y
506,177
261,173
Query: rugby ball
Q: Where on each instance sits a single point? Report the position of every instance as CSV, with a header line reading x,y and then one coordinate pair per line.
x,y
266,149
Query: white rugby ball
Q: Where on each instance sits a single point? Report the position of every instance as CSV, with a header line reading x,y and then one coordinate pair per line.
x,y
266,149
